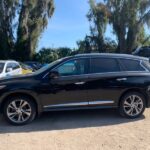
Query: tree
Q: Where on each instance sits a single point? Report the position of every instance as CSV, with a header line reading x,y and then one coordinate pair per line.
x,y
63,52
32,19
7,15
46,55
98,17
127,18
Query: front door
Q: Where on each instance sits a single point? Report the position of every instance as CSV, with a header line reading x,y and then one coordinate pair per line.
x,y
69,90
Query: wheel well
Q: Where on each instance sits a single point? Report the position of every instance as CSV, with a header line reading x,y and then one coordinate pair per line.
x,y
19,94
133,90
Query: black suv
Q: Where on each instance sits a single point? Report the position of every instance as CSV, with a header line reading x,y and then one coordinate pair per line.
x,y
86,81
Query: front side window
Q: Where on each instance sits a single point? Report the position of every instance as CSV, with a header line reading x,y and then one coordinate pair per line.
x,y
103,65
132,65
9,65
73,67
14,66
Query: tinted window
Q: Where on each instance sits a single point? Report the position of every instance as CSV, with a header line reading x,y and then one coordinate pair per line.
x,y
73,67
1,67
132,65
144,52
100,65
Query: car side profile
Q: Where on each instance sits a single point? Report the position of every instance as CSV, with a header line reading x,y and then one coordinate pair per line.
x,y
85,81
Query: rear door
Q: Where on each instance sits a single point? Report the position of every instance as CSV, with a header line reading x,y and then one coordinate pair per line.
x,y
104,81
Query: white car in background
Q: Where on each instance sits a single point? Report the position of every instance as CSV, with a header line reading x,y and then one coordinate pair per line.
x,y
9,68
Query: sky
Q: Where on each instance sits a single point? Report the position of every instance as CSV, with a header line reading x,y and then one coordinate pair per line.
x,y
68,25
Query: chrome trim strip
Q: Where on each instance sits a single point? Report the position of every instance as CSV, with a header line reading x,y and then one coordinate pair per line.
x,y
81,104
101,102
67,105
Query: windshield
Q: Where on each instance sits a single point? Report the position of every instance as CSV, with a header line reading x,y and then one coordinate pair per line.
x,y
1,67
48,66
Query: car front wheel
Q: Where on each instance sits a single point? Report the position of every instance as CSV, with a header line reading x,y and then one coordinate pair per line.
x,y
132,105
19,110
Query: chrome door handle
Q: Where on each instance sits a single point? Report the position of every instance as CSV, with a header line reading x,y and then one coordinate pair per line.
x,y
121,79
79,83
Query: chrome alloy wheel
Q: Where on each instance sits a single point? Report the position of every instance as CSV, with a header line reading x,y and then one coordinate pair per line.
x,y
133,105
19,111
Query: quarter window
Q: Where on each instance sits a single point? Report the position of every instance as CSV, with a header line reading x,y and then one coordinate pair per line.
x,y
73,67
132,65
102,65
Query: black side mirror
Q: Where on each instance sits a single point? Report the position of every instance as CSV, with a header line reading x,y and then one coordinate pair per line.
x,y
54,75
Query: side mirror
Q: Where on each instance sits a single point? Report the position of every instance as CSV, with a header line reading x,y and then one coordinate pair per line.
x,y
54,75
9,69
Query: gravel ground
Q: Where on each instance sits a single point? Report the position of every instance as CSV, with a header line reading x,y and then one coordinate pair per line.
x,y
78,130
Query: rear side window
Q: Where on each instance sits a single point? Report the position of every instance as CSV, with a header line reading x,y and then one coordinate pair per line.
x,y
103,65
132,65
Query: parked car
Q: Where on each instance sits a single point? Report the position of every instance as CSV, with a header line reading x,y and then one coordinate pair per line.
x,y
34,65
86,81
142,51
9,68
25,68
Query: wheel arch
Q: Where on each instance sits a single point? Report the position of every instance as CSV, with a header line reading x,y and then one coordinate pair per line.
x,y
134,90
30,96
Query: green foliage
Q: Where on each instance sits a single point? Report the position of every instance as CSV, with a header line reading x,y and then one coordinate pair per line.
x,y
127,17
48,55
33,18
98,17
63,52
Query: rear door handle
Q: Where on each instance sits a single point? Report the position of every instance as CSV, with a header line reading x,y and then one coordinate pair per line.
x,y
121,79
80,83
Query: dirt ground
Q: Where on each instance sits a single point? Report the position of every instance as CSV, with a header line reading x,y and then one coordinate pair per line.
x,y
78,130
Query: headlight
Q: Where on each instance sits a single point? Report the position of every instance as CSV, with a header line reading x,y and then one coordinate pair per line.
x,y
2,86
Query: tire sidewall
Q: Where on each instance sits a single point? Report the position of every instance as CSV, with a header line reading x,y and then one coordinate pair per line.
x,y
31,103
121,108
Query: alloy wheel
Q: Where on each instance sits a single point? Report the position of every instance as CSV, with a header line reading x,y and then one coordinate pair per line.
x,y
133,105
19,111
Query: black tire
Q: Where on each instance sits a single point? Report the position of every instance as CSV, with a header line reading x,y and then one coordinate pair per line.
x,y
30,104
123,107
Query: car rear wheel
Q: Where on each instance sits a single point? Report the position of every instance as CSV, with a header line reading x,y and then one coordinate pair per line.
x,y
132,105
19,110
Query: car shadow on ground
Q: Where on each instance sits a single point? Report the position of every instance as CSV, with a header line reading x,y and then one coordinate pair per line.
x,y
68,120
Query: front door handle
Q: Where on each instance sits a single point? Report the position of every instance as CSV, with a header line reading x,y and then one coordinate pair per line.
x,y
121,79
80,83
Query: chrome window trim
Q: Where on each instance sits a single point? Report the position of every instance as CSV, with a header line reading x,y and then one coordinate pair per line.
x,y
102,102
115,57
